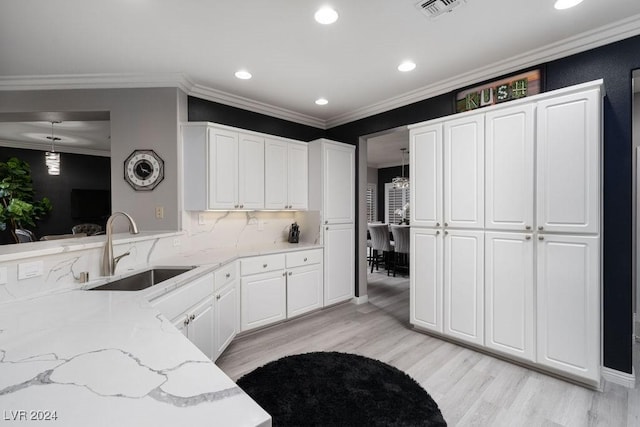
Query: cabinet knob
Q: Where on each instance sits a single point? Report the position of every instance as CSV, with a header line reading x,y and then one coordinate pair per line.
x,y
540,228
528,237
527,227
446,225
192,317
326,222
284,274
218,296
446,232
305,259
264,265
290,273
437,224
327,228
236,206
228,275
437,232
241,206
186,321
540,237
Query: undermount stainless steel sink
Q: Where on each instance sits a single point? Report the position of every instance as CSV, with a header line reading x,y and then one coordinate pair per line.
x,y
143,279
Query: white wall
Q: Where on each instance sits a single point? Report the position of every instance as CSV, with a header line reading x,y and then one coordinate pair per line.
x,y
372,175
636,227
140,119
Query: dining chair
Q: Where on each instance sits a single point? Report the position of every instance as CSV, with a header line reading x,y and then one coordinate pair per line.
x,y
88,229
380,245
401,238
24,235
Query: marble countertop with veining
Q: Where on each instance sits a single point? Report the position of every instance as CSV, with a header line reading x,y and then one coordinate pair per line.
x,y
111,359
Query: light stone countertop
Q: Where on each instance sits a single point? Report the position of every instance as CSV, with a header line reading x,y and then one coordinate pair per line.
x,y
110,358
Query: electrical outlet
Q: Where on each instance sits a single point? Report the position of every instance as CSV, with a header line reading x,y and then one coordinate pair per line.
x,y
159,212
201,219
176,241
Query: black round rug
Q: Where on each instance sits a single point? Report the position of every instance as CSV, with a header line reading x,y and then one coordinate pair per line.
x,y
339,389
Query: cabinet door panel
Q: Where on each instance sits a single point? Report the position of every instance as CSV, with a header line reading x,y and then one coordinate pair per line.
x,y
568,168
464,285
227,317
251,172
509,293
568,304
298,176
200,329
339,184
275,180
426,176
263,299
509,169
464,172
426,279
304,290
339,275
223,169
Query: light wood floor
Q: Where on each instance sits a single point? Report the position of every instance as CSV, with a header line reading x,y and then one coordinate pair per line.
x,y
470,388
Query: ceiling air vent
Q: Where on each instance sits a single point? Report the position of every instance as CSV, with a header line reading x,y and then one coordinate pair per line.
x,y
435,8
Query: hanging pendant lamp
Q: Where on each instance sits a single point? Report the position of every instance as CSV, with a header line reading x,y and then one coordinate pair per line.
x,y
51,158
401,181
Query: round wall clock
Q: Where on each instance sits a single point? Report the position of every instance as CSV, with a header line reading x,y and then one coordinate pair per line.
x,y
143,170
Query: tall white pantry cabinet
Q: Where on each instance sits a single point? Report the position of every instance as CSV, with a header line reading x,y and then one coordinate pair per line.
x,y
332,192
506,229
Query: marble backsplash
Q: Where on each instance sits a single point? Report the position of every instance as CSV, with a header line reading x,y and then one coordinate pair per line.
x,y
63,263
250,228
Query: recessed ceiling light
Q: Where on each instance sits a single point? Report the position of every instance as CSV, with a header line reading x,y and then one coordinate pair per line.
x,y
321,101
566,4
406,66
326,15
243,75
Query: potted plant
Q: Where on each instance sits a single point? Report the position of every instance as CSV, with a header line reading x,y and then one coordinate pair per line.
x,y
18,207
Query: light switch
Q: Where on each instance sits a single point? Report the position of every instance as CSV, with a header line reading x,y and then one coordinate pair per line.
x,y
28,270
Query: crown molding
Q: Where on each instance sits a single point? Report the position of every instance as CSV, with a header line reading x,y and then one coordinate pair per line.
x,y
96,81
601,36
255,106
59,148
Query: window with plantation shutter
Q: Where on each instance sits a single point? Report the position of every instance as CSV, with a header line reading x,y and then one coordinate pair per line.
x,y
372,203
395,199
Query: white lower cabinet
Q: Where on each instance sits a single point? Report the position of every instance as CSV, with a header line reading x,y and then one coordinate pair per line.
x,y
509,294
568,304
426,278
293,286
464,285
263,299
339,263
200,327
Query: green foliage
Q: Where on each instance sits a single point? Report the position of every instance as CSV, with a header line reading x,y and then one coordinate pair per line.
x,y
18,207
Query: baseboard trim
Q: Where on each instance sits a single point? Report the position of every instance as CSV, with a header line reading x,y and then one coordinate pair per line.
x,y
620,378
360,300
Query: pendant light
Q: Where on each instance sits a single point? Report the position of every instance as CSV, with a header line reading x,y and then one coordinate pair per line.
x,y
51,158
401,181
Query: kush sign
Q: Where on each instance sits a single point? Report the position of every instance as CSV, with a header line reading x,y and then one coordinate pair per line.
x,y
498,91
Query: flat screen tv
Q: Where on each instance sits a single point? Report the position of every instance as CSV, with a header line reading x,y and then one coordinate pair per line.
x,y
90,204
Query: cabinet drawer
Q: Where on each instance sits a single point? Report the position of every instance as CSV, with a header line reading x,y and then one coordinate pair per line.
x,y
261,264
225,275
177,302
297,259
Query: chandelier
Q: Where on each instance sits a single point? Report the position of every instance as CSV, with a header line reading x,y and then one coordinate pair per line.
x,y
401,181
51,158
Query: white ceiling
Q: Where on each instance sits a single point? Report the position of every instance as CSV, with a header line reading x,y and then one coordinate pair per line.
x,y
198,45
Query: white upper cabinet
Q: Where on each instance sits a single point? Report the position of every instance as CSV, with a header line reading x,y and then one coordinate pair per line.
x,y
332,185
250,172
509,168
568,165
464,172
225,168
426,176
222,149
298,175
286,175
